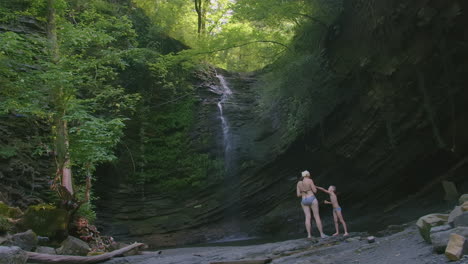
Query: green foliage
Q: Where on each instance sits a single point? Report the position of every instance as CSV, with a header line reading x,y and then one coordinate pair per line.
x,y
7,152
300,86
91,53
163,155
171,163
5,225
9,212
87,210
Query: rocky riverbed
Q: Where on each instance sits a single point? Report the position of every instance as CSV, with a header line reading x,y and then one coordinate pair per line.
x,y
403,247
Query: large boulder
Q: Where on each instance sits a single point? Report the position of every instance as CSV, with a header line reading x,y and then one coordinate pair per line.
x,y
73,246
461,220
463,198
441,239
455,247
457,211
426,222
26,240
46,220
12,255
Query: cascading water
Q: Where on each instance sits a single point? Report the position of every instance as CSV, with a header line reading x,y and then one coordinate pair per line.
x,y
231,178
225,94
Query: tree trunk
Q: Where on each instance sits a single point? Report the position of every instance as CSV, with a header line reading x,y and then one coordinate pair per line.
x,y
198,9
201,8
61,129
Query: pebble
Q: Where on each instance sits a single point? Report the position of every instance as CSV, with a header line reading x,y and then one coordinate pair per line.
x,y
370,239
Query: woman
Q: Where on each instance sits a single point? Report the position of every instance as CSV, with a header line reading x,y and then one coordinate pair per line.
x,y
306,188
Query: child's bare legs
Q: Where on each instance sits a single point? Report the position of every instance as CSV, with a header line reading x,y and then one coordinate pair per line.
x,y
335,219
340,217
315,210
307,219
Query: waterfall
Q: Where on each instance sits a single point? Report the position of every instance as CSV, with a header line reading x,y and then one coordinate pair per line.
x,y
225,94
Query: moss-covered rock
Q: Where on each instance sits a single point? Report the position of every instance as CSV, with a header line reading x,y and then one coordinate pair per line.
x,y
10,212
426,222
46,220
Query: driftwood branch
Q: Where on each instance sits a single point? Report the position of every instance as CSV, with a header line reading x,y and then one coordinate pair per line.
x,y
64,259
259,261
244,44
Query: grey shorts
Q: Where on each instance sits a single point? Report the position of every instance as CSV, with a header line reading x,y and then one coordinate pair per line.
x,y
308,200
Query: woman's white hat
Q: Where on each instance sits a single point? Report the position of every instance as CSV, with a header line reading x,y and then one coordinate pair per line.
x,y
305,173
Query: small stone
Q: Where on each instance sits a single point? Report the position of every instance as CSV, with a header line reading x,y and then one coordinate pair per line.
x,y
42,240
426,222
370,239
457,211
73,246
464,206
12,255
46,250
461,220
463,199
455,245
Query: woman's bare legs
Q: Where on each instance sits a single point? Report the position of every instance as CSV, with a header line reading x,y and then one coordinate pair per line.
x,y
315,211
307,219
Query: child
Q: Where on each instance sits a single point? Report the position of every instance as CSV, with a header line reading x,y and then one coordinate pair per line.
x,y
336,209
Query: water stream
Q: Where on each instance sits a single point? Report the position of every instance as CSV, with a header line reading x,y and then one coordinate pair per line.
x,y
225,94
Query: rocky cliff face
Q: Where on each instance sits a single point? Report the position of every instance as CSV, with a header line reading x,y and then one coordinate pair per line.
x,y
25,161
398,129
392,133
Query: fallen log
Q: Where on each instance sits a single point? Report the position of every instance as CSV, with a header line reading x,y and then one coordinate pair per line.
x,y
258,261
65,259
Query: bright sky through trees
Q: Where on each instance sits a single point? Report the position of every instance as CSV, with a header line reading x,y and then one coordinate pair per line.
x,y
240,35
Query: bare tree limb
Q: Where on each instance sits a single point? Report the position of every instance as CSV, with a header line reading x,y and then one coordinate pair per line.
x,y
47,258
244,44
314,19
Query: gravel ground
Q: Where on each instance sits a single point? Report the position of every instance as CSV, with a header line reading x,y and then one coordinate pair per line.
x,y
405,247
